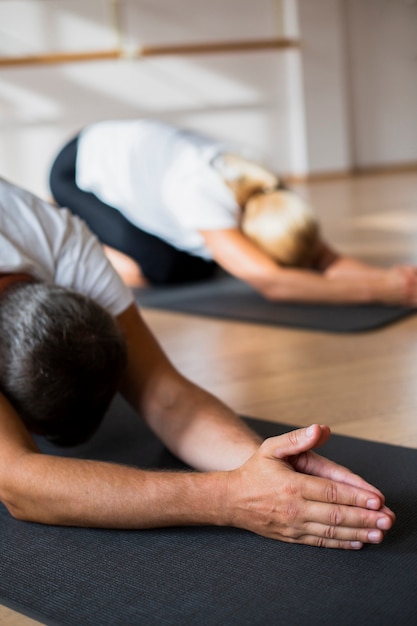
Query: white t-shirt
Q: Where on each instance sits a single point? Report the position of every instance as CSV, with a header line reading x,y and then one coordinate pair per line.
x,y
52,245
159,177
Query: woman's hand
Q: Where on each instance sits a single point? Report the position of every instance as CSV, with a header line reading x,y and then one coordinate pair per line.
x,y
401,285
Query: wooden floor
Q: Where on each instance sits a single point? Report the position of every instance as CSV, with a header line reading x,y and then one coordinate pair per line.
x,y
363,385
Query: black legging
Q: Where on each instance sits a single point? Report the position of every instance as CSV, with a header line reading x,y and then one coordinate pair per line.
x,y
160,262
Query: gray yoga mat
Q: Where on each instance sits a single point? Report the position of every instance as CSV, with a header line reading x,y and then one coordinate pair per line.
x,y
213,576
228,298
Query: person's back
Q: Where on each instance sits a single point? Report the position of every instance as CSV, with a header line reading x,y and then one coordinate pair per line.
x,y
158,176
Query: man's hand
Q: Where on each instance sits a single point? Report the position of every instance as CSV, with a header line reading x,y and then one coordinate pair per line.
x,y
285,491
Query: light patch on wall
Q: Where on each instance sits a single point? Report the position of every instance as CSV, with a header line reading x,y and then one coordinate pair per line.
x,y
18,35
39,26
160,85
26,104
182,21
228,125
91,31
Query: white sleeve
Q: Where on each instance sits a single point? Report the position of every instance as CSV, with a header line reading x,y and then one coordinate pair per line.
x,y
53,245
83,266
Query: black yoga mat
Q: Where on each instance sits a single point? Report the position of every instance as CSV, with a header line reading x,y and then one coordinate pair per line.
x,y
213,576
228,298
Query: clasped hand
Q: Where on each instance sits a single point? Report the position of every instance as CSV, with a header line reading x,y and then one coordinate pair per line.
x,y
288,492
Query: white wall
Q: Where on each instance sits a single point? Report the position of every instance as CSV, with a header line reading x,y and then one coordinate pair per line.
x,y
242,97
382,38
325,88
326,109
360,82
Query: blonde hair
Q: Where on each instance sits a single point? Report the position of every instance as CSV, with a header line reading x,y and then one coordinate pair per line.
x,y
283,226
244,177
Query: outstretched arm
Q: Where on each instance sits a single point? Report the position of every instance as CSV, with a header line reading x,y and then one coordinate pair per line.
x,y
336,265
278,488
268,494
337,279
197,427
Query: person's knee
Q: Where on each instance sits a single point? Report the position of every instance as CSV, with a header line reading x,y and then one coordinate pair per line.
x,y
127,268
178,268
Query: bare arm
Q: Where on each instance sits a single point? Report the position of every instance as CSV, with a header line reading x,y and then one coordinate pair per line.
x,y
283,491
337,279
333,264
331,506
192,423
73,492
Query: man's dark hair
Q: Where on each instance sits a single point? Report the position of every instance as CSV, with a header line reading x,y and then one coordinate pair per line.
x,y
61,359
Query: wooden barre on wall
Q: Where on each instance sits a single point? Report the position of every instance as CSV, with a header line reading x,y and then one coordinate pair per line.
x,y
149,51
